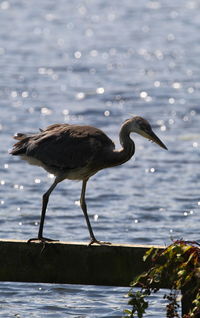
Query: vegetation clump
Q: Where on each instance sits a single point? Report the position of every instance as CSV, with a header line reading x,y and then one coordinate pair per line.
x,y
178,267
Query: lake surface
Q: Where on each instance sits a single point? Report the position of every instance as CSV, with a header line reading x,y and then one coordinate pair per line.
x,y
98,63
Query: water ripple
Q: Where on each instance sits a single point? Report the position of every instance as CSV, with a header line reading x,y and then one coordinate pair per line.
x,y
91,65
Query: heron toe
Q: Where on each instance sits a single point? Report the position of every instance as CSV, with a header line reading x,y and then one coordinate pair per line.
x,y
41,239
94,241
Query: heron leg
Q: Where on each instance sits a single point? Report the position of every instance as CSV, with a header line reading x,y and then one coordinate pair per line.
x,y
45,200
84,208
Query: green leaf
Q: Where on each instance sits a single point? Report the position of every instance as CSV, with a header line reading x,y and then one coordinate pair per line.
x,y
148,253
127,311
181,273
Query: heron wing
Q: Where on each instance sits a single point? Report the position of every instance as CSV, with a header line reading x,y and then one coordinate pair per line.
x,y
65,146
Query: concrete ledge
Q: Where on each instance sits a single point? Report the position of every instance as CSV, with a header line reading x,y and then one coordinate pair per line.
x,y
71,263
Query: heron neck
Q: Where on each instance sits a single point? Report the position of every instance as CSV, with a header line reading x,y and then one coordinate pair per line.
x,y
112,158
128,146
118,157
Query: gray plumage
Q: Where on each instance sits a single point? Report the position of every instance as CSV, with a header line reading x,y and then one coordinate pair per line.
x,y
78,152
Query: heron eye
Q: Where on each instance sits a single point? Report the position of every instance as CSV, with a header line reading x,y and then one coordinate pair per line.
x,y
144,127
147,128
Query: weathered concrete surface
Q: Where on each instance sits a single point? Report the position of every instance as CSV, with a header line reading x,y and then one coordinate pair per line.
x,y
71,263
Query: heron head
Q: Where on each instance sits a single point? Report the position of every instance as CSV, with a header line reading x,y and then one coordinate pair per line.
x,y
142,127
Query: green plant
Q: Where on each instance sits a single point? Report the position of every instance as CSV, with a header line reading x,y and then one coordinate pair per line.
x,y
179,266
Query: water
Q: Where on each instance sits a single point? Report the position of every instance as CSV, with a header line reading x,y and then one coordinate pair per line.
x,y
97,63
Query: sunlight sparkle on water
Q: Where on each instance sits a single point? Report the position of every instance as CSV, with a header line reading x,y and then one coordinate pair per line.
x,y
195,144
160,122
106,113
190,90
18,187
193,112
25,94
159,54
170,37
163,128
41,70
143,94
171,121
176,85
77,54
13,94
157,84
150,170
80,95
93,53
100,90
185,118
46,111
65,112
5,5
89,32
154,5
31,110
77,202
148,99
171,100
50,17
2,51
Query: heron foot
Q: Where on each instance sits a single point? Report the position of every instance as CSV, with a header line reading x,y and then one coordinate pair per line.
x,y
95,241
41,239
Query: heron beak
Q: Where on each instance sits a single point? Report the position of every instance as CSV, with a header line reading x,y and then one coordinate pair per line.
x,y
152,136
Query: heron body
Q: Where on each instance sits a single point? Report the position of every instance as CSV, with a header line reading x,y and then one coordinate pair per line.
x,y
77,152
